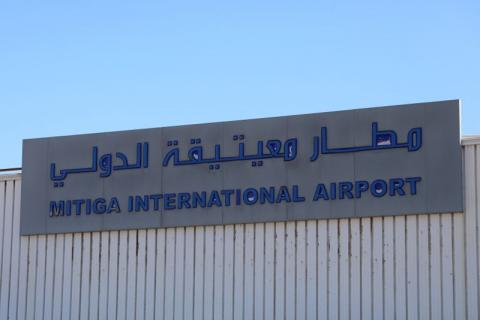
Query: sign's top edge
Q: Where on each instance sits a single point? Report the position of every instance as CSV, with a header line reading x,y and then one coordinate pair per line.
x,y
457,101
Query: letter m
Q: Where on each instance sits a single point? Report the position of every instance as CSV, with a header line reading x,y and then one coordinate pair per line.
x,y
57,209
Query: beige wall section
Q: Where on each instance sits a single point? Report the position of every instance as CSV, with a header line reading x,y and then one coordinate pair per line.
x,y
415,267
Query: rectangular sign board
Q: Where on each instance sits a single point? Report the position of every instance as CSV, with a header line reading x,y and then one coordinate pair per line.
x,y
393,160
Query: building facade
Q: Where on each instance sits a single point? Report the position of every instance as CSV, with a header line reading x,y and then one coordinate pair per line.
x,y
422,266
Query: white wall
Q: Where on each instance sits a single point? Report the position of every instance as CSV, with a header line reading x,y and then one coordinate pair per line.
x,y
414,267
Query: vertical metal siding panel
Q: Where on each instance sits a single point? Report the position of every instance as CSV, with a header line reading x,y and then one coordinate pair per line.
x,y
170,274
6,252
49,276
59,277
311,269
477,219
388,267
280,270
3,201
40,277
218,273
122,275
179,272
141,261
423,267
229,276
150,275
412,278
21,308
301,271
322,269
259,270
76,276
290,272
103,283
189,272
160,275
400,269
113,274
249,273
435,268
67,276
471,232
94,275
86,276
14,284
131,273
355,271
238,270
333,302
31,277
199,270
447,267
208,273
366,237
377,270
344,269
6,216
459,265
270,270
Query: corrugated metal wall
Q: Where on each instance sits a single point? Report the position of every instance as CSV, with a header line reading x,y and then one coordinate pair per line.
x,y
415,267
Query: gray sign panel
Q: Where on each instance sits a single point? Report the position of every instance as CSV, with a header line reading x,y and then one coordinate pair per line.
x,y
369,162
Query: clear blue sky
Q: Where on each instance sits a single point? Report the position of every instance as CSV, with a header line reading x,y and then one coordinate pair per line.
x,y
71,67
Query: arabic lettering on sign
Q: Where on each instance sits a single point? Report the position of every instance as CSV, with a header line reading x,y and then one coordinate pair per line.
x,y
381,140
105,164
274,147
270,149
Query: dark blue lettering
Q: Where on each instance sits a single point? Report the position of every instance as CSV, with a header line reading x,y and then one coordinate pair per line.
x,y
78,206
156,200
283,195
333,191
169,201
345,188
113,206
141,202
250,196
99,206
413,184
268,195
296,194
214,199
378,188
68,208
320,192
57,209
130,203
199,198
238,198
183,200
360,186
88,206
227,195
396,185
